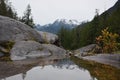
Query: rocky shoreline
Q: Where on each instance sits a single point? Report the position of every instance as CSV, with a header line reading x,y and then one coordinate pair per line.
x,y
108,59
88,53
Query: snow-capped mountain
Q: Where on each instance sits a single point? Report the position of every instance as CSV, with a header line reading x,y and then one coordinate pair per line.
x,y
57,25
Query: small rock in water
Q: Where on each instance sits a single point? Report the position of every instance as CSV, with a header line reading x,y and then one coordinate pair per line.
x,y
1,54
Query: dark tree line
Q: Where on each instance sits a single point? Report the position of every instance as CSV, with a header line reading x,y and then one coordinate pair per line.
x,y
6,9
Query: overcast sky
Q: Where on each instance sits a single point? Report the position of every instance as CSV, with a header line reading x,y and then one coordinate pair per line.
x,y
47,11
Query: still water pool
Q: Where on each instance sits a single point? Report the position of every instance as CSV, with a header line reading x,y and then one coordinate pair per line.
x,y
67,69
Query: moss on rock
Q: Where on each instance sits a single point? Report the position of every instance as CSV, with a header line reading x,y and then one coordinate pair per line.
x,y
7,46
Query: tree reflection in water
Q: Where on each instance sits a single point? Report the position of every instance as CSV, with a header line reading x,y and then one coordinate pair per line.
x,y
100,71
64,67
86,69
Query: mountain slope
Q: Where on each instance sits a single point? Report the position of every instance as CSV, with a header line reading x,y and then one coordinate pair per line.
x,y
57,25
114,8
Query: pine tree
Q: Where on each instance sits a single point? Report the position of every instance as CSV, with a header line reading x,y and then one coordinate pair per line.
x,y
10,12
6,9
27,18
3,8
93,32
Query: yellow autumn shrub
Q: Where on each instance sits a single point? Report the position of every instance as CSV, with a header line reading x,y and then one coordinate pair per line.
x,y
107,41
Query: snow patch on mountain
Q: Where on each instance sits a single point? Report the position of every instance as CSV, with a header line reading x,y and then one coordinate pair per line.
x,y
57,25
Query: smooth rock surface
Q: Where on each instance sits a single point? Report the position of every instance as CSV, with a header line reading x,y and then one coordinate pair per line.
x,y
85,50
110,59
48,37
27,49
55,51
38,53
31,49
12,30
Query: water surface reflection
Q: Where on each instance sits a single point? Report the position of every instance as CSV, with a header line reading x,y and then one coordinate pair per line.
x,y
59,70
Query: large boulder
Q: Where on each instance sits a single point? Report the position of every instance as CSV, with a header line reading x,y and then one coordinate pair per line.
x,y
56,52
23,42
28,49
12,31
48,37
86,50
31,49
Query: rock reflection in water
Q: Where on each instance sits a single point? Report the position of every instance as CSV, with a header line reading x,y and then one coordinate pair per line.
x,y
17,67
54,70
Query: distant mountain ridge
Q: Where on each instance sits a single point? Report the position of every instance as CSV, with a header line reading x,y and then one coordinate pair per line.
x,y
57,25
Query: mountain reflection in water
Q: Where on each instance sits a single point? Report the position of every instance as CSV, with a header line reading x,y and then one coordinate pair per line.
x,y
64,69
